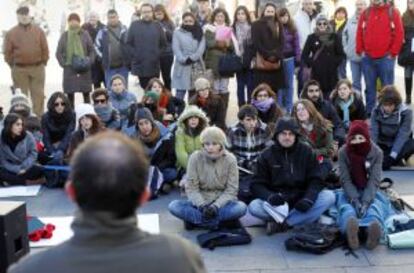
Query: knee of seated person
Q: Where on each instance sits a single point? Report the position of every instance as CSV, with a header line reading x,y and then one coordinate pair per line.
x,y
175,206
327,197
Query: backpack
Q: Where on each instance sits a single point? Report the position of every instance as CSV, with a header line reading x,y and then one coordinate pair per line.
x,y
316,239
224,237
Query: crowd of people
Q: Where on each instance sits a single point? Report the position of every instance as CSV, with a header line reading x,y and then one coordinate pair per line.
x,y
281,151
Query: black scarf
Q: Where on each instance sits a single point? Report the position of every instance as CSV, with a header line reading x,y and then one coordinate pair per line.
x,y
59,122
195,30
12,141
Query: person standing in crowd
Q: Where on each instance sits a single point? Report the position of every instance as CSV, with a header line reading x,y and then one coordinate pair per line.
x,y
338,23
406,56
26,52
203,12
212,185
108,115
167,56
348,104
120,98
112,49
267,37
391,122
264,100
288,172
349,44
188,46
18,154
242,25
57,124
147,41
209,102
76,44
379,22
323,53
217,46
93,26
291,54
360,204
115,167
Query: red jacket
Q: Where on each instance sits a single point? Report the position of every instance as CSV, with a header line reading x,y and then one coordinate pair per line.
x,y
377,38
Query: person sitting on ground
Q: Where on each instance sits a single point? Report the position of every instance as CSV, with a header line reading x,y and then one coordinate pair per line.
x,y
20,104
212,185
210,103
88,124
391,122
18,154
288,172
150,100
108,184
158,144
312,91
348,104
360,204
264,100
108,115
34,127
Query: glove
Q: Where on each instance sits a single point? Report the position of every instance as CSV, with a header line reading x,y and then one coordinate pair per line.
x,y
362,210
304,205
188,61
388,162
209,212
276,199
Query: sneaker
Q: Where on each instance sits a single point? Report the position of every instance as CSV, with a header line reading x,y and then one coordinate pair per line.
x,y
352,230
374,233
273,227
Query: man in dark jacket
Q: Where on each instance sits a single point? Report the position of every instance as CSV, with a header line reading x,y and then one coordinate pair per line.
x,y
288,173
312,91
147,40
108,183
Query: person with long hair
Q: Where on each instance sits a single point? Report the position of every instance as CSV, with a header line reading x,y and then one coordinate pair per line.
x,y
18,154
167,56
242,25
267,37
338,23
291,54
188,45
406,57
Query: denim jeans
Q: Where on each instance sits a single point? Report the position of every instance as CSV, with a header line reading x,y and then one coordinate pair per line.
x,y
169,174
244,82
356,70
186,211
285,95
221,85
180,93
109,73
342,69
326,199
373,69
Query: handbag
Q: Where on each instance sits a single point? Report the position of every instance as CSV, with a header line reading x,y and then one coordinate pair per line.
x,y
307,71
229,64
80,64
198,70
261,64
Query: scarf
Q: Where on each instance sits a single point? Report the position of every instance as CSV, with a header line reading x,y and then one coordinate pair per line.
x,y
326,38
152,139
164,100
12,141
104,112
195,30
357,154
243,34
213,157
60,121
263,106
339,23
408,19
344,105
74,45
202,102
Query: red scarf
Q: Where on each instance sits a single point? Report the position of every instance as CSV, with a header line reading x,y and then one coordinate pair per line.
x,y
357,155
202,101
164,100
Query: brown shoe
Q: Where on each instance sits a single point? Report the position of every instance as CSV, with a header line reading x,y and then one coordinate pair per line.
x,y
38,181
374,234
352,230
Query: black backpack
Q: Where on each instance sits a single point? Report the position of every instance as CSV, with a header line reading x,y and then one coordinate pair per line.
x,y
225,236
315,239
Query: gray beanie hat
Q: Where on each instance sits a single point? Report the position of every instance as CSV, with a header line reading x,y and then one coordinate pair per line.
x,y
144,113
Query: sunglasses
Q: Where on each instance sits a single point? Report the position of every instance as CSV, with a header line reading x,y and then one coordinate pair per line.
x,y
99,101
323,24
59,104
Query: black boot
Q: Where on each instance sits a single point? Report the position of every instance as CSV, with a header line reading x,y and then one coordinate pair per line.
x,y
408,87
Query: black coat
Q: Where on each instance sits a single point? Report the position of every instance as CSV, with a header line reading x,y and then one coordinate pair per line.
x,y
294,172
53,133
328,111
214,110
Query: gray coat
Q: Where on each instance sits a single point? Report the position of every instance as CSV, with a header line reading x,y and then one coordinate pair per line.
x,y
184,46
393,130
349,39
72,81
102,244
373,164
22,158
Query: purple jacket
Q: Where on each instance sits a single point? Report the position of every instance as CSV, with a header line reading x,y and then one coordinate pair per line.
x,y
291,47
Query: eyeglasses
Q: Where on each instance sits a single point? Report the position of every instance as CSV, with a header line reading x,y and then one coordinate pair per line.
x,y
102,101
323,24
59,104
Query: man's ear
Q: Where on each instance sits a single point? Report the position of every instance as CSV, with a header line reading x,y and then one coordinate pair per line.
x,y
145,196
70,190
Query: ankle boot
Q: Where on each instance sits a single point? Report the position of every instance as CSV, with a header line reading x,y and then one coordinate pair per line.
x,y
408,88
352,230
374,234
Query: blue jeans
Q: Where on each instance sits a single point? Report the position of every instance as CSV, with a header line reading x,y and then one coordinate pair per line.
x,y
180,93
342,70
169,174
326,199
373,69
244,81
186,211
285,95
378,211
109,73
356,70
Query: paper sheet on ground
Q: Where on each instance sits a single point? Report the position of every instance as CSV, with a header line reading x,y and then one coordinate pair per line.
x,y
19,191
146,222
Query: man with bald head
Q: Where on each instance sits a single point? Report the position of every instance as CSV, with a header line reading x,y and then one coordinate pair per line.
x,y
108,183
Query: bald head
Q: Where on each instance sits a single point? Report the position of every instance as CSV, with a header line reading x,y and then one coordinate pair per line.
x,y
109,173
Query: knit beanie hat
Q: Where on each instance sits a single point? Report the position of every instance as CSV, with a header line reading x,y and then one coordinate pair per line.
x,y
144,113
19,99
247,111
286,123
213,134
321,17
84,109
201,84
153,95
358,127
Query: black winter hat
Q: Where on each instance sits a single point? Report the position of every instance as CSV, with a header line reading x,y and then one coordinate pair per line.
x,y
247,111
144,113
286,123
